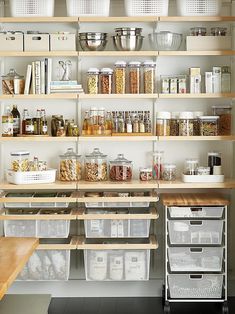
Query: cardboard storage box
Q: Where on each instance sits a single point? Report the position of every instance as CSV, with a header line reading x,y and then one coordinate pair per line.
x,y
11,42
62,42
36,42
200,43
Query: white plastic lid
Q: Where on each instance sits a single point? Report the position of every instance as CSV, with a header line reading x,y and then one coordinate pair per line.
x,y
120,63
158,153
163,115
186,115
198,114
149,62
169,166
20,153
134,63
93,109
175,115
214,154
192,161
93,70
146,169
209,117
106,70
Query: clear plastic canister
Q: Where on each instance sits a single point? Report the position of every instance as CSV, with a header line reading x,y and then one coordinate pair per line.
x,y
186,123
20,161
209,125
225,119
191,166
93,81
174,124
96,167
106,80
163,123
149,69
196,122
134,77
70,166
120,77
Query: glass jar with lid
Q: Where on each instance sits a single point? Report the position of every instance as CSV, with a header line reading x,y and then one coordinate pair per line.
x,y
219,31
70,166
120,169
191,166
198,31
93,81
106,80
186,123
149,71
158,158
163,123
225,119
13,83
209,125
196,122
146,174
57,121
120,77
169,172
20,161
134,77
96,167
174,124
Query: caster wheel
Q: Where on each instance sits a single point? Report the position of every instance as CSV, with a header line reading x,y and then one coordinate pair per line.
x,y
225,308
167,309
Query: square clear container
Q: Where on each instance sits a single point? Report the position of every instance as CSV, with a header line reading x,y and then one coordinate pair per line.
x,y
209,125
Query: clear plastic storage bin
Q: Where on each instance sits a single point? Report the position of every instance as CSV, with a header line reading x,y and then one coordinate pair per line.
x,y
199,7
88,7
196,212
26,8
146,7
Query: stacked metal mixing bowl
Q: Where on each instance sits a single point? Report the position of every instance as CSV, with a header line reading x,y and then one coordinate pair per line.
x,y
128,39
92,41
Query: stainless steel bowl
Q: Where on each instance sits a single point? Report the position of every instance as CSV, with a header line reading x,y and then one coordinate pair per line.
x,y
91,35
128,31
93,44
128,43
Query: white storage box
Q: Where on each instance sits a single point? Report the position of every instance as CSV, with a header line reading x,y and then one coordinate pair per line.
x,y
203,178
195,286
36,42
146,7
63,42
31,177
47,265
210,43
196,212
195,259
199,7
117,265
11,42
26,8
88,7
205,232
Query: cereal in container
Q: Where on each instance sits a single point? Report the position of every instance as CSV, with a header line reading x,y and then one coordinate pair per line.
x,y
225,119
163,123
120,169
149,69
120,77
96,167
93,81
134,77
186,123
106,80
209,125
70,166
20,161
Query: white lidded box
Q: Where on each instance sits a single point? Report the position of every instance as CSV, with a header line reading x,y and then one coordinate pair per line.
x,y
31,177
36,42
146,7
62,42
199,7
31,8
88,7
11,41
210,43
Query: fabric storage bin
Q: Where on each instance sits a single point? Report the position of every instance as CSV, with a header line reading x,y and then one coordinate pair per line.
x,y
11,42
196,212
26,8
146,7
62,42
207,232
36,42
199,7
210,43
195,259
88,7
117,265
31,177
195,286
47,265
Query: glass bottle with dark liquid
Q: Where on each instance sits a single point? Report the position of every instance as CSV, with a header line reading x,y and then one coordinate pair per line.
x,y
16,121
25,117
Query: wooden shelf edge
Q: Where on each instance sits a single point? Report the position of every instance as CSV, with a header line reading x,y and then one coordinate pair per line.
x,y
197,138
108,185
70,246
198,53
196,18
58,185
65,19
118,96
38,54
196,96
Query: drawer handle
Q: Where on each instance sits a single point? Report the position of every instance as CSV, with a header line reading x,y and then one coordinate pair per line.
x,y
196,223
10,38
196,250
195,277
195,209
37,38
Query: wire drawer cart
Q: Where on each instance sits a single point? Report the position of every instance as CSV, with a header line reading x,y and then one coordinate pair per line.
x,y
195,249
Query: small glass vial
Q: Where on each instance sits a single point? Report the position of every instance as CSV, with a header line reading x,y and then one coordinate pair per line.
x,y
134,77
106,79
169,172
158,164
93,81
186,124
149,69
120,77
163,123
191,166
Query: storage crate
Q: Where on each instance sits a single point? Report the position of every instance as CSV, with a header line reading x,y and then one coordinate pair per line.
x,y
62,42
210,43
20,228
31,177
45,265
27,8
11,42
36,42
199,7
195,259
146,7
88,7
116,204
117,265
196,212
205,232
195,286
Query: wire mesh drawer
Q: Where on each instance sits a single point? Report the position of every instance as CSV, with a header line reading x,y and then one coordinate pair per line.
x,y
199,7
196,212
146,7
88,7
27,8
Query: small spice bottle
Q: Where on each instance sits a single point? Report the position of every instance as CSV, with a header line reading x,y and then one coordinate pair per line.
x,y
226,79
93,81
134,77
120,77
186,123
106,79
149,71
163,123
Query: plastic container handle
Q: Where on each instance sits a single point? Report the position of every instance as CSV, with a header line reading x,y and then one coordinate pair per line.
x,y
10,38
36,38
196,277
196,223
196,250
196,209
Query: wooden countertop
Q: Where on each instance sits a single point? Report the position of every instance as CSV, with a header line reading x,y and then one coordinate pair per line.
x,y
14,254
193,199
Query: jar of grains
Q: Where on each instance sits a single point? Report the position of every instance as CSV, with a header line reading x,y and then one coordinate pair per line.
x,y
70,166
174,124
134,77
209,125
169,172
186,123
20,161
120,77
191,166
149,69
163,123
120,169
196,122
106,80
225,119
93,81
96,168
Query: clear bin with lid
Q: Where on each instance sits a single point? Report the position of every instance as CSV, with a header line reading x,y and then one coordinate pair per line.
x,y
225,119
163,123
209,125
120,169
120,77
134,77
70,166
96,167
191,166
106,80
169,172
93,81
186,123
13,83
196,122
20,161
149,71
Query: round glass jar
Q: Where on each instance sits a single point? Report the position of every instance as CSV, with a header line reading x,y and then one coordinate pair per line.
x,y
169,172
203,171
134,77
191,166
219,31
146,174
96,167
106,80
70,166
93,81
13,83
186,123
163,123
149,72
209,125
225,119
20,161
174,124
57,122
120,169
198,31
120,77
158,158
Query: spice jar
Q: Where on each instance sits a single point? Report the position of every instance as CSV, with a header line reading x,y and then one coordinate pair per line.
x,y
169,172
203,171
214,159
146,174
70,166
13,83
198,31
209,125
225,119
96,168
163,123
218,31
93,81
134,77
174,124
186,123
120,169
149,69
20,161
57,121
106,79
158,164
120,77
196,122
191,166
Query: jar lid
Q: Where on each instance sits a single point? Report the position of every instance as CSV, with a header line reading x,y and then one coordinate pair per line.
x,y
158,153
121,160
70,154
192,161
149,63
209,117
169,166
106,70
20,153
163,115
146,169
93,70
13,75
198,114
214,154
134,63
222,107
175,115
120,62
96,154
186,115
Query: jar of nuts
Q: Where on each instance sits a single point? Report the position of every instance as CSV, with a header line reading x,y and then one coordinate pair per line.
x,y
96,167
120,77
106,80
149,69
93,81
20,161
134,77
70,166
120,169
